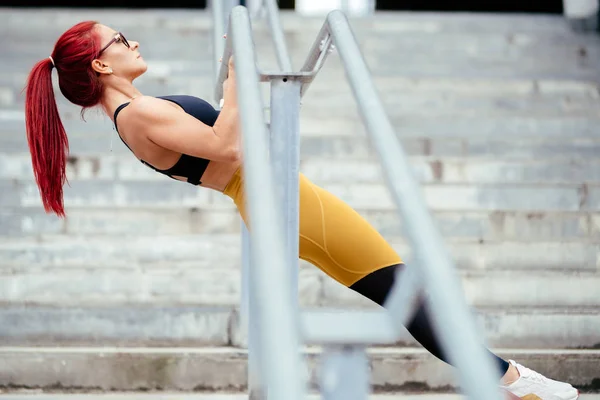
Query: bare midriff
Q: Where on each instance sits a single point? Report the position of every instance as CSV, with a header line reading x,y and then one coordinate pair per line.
x,y
218,174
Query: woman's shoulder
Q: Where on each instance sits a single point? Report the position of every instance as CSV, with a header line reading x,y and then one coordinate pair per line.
x,y
153,108
148,109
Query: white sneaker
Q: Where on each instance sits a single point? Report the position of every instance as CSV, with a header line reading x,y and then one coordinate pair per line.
x,y
534,386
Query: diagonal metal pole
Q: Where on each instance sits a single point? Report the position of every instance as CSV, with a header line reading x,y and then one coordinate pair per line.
x,y
221,10
280,360
453,324
283,57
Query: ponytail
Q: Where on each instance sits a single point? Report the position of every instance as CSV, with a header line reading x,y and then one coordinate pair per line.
x,y
48,144
46,136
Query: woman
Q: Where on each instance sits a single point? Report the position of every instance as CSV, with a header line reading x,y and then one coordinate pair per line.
x,y
185,138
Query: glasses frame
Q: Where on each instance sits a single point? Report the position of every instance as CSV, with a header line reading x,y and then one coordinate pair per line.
x,y
119,37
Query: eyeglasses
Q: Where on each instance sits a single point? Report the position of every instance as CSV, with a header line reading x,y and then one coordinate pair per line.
x,y
119,37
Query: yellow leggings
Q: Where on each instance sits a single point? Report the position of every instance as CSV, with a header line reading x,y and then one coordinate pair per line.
x,y
333,236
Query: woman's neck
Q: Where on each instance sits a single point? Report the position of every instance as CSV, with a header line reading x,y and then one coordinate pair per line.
x,y
113,98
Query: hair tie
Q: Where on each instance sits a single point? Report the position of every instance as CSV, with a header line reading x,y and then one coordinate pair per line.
x,y
52,60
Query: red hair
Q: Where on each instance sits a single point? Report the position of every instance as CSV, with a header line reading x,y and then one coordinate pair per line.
x,y
48,144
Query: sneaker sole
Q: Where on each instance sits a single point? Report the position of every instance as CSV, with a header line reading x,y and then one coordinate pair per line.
x,y
534,397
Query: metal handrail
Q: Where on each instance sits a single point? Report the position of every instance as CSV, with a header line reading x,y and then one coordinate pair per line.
x,y
279,358
277,34
219,17
453,323
283,57
437,274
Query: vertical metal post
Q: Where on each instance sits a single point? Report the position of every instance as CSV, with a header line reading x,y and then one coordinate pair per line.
x,y
285,161
345,373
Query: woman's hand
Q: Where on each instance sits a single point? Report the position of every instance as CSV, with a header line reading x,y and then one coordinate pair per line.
x,y
229,89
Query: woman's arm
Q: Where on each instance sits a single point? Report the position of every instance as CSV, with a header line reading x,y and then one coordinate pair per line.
x,y
168,127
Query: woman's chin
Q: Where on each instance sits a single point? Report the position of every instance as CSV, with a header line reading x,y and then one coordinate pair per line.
x,y
140,71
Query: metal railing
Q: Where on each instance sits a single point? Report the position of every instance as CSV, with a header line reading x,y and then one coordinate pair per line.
x,y
220,9
272,193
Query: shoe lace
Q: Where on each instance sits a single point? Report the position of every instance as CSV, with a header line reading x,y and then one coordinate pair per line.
x,y
535,376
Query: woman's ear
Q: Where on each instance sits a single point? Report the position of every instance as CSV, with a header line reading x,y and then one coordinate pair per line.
x,y
101,68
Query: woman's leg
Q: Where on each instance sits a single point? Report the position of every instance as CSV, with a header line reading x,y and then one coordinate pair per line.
x,y
336,239
339,241
377,285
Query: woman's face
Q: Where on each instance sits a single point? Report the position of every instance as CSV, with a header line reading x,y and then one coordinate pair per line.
x,y
119,55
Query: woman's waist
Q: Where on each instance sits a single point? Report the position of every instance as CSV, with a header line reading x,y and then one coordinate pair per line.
x,y
223,177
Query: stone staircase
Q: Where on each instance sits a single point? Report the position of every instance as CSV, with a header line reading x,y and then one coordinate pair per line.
x,y
138,288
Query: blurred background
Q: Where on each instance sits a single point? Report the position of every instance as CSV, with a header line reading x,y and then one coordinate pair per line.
x,y
137,290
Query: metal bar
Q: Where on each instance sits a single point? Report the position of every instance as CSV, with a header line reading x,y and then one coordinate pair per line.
x,y
255,387
255,8
245,300
224,69
280,361
220,15
285,162
317,54
216,8
453,324
345,373
267,76
347,327
283,57
405,297
315,51
345,7
229,5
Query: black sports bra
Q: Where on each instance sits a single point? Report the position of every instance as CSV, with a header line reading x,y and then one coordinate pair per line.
x,y
187,166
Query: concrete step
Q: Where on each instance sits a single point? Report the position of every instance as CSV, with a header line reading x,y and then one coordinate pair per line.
x,y
458,43
92,277
462,56
515,127
200,326
27,395
390,87
476,225
451,170
321,122
184,20
324,170
397,105
335,98
484,54
209,250
540,197
401,96
225,368
336,143
339,144
24,395
397,21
